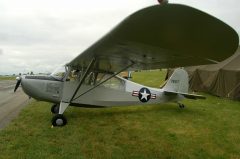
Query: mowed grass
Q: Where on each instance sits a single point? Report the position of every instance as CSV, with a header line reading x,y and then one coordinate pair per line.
x,y
7,78
204,129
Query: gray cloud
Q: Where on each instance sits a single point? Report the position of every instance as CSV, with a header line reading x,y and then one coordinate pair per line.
x,y
1,52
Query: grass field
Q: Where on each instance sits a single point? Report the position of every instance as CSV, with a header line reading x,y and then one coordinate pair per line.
x,y
7,78
204,129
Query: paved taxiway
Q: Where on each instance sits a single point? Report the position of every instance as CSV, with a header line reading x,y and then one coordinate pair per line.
x,y
10,103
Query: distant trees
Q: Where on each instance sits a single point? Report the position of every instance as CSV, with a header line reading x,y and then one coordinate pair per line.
x,y
28,73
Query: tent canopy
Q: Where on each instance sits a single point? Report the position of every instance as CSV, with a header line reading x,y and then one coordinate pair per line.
x,y
222,79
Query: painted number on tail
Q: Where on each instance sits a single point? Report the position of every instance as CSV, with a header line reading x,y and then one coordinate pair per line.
x,y
175,81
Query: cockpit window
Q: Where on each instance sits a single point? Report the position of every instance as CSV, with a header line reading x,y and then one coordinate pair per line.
x,y
93,78
59,73
74,75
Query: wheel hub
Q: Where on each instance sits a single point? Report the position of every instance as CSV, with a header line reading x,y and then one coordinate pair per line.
x,y
59,122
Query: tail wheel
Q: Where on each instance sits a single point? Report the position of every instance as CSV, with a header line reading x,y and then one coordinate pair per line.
x,y
59,120
55,109
181,106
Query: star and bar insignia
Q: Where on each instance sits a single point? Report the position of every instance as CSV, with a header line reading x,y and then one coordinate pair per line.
x,y
144,95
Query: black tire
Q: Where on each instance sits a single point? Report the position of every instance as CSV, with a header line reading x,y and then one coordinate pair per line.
x,y
59,120
181,106
55,109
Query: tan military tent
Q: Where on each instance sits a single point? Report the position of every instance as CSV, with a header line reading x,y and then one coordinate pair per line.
x,y
222,79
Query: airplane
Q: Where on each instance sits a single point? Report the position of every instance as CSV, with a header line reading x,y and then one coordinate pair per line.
x,y
159,36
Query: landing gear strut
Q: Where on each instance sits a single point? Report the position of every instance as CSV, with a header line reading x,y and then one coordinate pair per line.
x,y
59,120
55,108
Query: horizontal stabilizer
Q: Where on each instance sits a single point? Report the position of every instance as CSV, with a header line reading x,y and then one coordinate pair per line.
x,y
186,95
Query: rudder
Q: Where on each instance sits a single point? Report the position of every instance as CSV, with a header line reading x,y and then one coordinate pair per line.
x,y
178,82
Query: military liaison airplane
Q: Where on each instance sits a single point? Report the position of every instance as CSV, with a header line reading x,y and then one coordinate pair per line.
x,y
159,36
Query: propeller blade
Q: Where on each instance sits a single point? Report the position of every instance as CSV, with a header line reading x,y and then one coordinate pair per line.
x,y
17,85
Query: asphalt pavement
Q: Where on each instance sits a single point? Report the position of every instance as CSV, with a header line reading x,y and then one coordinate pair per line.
x,y
10,103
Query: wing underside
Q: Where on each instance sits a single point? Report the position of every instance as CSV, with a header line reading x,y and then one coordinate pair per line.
x,y
161,36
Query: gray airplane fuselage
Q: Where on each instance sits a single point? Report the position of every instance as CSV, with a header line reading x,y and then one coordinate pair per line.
x,y
121,92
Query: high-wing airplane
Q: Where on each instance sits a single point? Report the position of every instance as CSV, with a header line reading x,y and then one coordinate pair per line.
x,y
159,36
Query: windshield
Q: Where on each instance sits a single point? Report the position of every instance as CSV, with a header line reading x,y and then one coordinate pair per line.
x,y
59,72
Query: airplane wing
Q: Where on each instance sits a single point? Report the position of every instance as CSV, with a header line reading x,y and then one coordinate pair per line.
x,y
161,36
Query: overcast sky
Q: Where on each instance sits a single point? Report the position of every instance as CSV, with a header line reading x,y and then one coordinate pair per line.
x,y
40,35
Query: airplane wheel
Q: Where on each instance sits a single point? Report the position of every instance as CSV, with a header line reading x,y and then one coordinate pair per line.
x,y
181,106
55,109
59,120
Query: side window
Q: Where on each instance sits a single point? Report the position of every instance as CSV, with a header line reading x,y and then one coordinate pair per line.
x,y
94,78
113,83
90,79
74,75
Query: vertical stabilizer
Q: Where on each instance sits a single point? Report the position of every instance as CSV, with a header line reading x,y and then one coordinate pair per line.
x,y
178,82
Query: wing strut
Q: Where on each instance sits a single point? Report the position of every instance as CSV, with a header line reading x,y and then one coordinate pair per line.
x,y
125,68
83,78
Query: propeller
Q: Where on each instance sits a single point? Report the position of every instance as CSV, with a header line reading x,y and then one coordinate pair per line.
x,y
18,83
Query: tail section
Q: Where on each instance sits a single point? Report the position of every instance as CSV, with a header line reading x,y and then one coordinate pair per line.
x,y
178,82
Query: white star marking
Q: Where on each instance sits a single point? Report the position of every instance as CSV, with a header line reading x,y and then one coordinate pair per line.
x,y
144,95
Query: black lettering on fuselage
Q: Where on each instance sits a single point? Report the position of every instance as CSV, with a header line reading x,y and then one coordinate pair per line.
x,y
175,81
